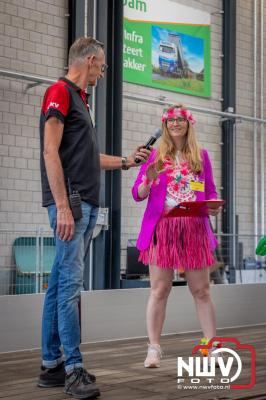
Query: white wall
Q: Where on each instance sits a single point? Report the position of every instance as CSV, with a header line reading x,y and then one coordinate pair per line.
x,y
33,39
245,104
120,314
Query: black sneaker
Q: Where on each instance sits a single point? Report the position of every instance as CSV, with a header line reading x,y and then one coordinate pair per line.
x,y
52,377
80,385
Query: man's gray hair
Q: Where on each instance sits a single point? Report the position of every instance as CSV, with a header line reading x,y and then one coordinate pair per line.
x,y
83,47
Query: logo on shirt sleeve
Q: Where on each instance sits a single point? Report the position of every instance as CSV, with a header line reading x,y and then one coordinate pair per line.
x,y
53,105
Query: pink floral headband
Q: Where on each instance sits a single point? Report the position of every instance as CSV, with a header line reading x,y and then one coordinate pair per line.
x,y
178,112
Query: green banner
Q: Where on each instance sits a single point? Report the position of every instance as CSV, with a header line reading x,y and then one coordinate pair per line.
x,y
167,55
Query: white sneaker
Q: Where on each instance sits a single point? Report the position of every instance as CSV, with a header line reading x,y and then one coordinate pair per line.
x,y
154,356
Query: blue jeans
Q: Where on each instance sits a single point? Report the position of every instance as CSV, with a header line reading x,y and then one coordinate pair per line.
x,y
60,323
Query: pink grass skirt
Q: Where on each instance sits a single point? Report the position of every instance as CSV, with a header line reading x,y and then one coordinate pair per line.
x,y
179,243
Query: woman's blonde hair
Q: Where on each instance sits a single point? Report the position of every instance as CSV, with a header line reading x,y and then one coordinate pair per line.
x,y
191,149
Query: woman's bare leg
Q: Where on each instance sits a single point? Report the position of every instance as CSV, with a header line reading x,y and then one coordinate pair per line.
x,y
161,284
199,285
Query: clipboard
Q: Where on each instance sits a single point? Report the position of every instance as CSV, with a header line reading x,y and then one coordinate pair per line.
x,y
194,208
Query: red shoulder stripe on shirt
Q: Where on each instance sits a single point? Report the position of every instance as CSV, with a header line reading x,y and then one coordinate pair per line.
x,y
56,98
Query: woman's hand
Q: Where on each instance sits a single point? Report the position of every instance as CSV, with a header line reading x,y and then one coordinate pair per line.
x,y
152,173
214,210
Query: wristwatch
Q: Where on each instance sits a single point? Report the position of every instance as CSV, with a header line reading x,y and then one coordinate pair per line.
x,y
124,163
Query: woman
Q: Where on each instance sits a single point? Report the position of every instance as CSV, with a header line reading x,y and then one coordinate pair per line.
x,y
178,171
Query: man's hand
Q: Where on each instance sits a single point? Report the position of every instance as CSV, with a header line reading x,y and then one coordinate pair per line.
x,y
65,226
141,153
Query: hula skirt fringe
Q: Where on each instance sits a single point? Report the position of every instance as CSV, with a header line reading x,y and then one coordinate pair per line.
x,y
179,243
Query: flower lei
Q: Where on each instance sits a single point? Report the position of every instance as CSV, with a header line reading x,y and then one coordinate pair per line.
x,y
180,180
178,112
205,341
147,182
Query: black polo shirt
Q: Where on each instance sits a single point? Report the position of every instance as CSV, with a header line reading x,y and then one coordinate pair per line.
x,y
78,150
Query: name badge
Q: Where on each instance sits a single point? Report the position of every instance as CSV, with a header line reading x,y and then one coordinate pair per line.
x,y
197,186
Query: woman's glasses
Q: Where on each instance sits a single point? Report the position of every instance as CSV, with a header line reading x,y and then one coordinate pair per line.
x,y
177,120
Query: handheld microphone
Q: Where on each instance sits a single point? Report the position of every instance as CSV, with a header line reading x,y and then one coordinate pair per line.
x,y
150,142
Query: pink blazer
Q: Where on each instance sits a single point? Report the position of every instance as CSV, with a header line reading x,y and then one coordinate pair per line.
x,y
157,195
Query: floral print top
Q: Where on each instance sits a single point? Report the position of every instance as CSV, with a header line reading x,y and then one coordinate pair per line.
x,y
179,176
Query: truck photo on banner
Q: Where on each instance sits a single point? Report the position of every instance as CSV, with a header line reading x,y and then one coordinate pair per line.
x,y
167,46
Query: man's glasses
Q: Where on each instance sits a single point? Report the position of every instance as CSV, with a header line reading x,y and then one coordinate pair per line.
x,y
173,120
104,68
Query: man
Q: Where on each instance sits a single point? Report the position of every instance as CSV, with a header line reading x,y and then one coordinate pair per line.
x,y
70,163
